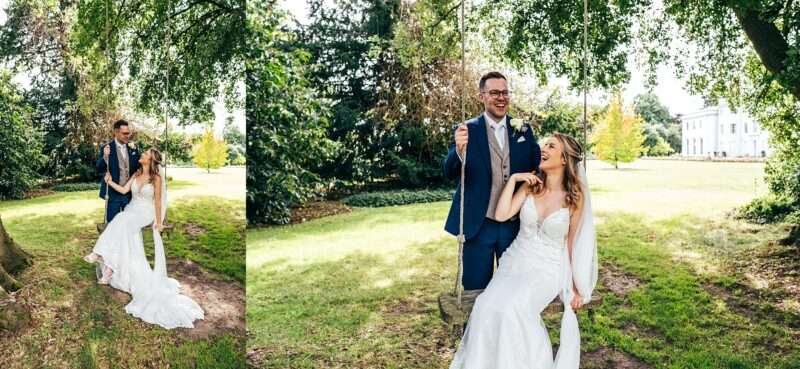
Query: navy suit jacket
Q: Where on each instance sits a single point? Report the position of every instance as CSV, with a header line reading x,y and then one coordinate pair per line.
x,y
113,163
524,156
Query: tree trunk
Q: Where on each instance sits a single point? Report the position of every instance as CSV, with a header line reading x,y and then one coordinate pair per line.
x,y
793,238
12,260
769,43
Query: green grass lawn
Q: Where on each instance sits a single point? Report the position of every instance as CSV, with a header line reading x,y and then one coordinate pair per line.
x,y
79,324
359,290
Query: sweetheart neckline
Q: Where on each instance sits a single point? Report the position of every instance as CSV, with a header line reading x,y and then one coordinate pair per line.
x,y
136,182
536,211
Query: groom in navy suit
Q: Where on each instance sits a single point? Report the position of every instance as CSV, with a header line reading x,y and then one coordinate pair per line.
x,y
498,147
123,162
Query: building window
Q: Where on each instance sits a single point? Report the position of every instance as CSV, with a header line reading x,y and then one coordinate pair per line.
x,y
694,146
733,128
721,129
701,146
745,128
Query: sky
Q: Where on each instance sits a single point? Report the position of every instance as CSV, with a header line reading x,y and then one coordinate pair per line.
x,y
220,112
669,89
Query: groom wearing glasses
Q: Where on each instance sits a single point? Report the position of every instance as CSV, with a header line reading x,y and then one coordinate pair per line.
x,y
121,161
498,147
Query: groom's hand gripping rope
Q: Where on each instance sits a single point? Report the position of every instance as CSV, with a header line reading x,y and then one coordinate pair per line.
x,y
461,138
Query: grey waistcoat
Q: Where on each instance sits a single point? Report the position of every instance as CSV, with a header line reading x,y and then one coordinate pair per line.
x,y
124,166
501,168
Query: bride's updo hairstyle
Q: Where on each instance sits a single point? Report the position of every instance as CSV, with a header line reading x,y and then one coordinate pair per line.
x,y
573,155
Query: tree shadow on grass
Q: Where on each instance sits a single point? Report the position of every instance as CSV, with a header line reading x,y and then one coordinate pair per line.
x,y
379,310
364,310
80,324
674,304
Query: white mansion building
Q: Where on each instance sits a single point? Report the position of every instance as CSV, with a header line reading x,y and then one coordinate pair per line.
x,y
718,131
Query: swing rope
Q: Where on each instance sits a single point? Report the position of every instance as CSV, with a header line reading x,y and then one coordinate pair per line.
x,y
167,228
585,66
166,92
459,317
461,237
108,39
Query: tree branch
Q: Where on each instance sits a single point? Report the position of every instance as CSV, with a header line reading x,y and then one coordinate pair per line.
x,y
768,42
446,15
787,12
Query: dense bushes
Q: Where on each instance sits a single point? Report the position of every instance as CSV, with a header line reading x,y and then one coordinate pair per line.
x,y
76,187
782,173
780,114
286,123
400,197
770,209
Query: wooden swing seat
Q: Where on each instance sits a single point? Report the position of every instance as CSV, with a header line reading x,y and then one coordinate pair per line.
x,y
454,316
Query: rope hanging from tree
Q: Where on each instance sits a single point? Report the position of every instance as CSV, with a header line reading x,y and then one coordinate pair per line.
x,y
108,85
167,227
456,306
166,92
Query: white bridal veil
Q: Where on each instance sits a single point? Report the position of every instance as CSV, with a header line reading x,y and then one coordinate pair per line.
x,y
583,270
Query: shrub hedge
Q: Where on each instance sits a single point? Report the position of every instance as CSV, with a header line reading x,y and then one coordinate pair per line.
x,y
397,197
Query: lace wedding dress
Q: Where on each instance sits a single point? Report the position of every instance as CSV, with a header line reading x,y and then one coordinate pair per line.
x,y
156,298
505,329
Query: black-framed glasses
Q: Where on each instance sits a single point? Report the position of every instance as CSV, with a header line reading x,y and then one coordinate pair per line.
x,y
497,93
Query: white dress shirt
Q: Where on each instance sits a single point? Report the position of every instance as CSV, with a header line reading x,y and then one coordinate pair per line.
x,y
498,128
123,149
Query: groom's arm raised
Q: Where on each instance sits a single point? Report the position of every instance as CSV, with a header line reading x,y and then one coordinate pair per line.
x,y
452,163
102,167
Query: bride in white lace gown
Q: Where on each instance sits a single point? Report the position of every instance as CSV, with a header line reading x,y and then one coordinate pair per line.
x,y
554,254
156,299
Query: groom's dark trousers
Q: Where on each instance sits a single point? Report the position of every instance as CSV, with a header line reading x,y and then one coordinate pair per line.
x,y
116,200
486,239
